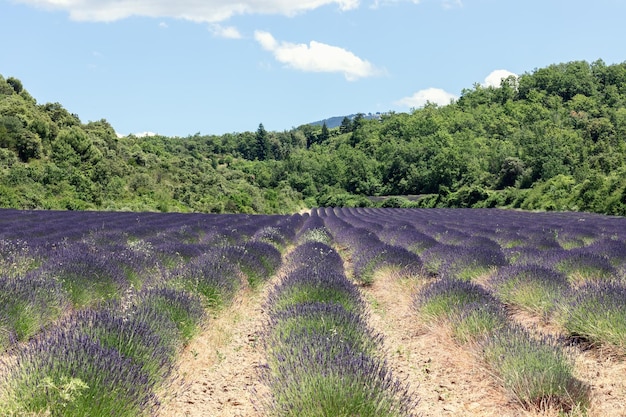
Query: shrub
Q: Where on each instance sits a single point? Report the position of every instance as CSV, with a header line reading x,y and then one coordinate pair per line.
x,y
536,372
596,313
447,297
532,287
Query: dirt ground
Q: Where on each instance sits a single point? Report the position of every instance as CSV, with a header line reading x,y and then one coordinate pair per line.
x,y
218,371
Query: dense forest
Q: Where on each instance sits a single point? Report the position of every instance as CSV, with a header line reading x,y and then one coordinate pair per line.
x,y
550,139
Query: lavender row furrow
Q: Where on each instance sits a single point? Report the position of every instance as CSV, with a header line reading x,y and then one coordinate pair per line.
x,y
95,316
323,359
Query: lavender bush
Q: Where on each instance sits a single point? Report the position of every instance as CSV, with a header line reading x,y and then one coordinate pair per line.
x,y
447,297
532,287
596,313
536,372
66,373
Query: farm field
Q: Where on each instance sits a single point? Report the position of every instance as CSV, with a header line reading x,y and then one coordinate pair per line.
x,y
339,311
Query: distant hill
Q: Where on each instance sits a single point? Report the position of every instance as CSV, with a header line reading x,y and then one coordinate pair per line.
x,y
336,121
553,139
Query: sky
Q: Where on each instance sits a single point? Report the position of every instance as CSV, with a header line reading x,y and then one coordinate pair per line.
x,y
183,67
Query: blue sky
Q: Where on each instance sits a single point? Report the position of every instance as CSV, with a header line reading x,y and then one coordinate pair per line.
x,y
182,67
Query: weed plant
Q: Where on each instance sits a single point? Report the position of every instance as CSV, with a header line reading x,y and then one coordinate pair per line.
x,y
536,372
596,313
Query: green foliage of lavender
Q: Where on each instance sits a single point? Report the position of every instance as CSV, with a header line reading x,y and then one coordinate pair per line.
x,y
531,287
257,260
447,297
345,384
323,360
537,372
16,259
28,304
132,337
309,286
314,320
476,321
213,276
40,380
87,275
184,310
582,266
596,313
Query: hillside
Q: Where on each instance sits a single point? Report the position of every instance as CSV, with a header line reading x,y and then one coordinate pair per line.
x,y
552,139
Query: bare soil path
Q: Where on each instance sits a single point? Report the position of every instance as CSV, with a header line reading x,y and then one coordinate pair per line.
x,y
219,368
448,379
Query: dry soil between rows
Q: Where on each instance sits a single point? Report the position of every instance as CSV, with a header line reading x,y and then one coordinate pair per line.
x,y
451,380
446,379
219,369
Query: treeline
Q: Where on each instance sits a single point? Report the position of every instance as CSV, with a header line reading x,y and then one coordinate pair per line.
x,y
551,139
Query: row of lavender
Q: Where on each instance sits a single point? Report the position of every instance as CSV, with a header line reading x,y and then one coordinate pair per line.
x,y
95,306
323,359
567,267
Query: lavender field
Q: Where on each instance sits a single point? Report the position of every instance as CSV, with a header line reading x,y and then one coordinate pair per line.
x,y
97,308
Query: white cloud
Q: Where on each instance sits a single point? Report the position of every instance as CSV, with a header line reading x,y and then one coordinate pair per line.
x,y
446,4
163,25
317,57
429,95
377,3
494,79
194,10
139,134
228,32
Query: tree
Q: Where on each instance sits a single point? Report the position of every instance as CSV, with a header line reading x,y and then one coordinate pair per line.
x,y
28,145
346,125
262,143
16,84
512,169
325,134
